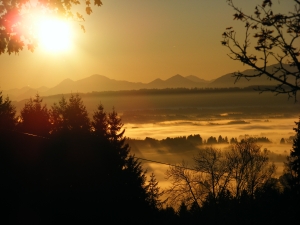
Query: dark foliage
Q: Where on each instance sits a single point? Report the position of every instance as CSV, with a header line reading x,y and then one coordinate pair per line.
x,y
73,175
7,114
70,116
83,172
293,163
35,118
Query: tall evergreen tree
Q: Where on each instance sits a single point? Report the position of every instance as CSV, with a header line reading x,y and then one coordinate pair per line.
x,y
154,193
70,115
293,164
123,177
116,135
7,113
35,117
77,115
57,115
100,123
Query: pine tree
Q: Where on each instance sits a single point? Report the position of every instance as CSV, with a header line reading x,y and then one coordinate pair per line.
x,y
293,164
100,123
7,114
154,193
76,114
70,116
57,115
116,135
35,118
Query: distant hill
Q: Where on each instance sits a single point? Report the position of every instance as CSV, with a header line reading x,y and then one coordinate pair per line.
x,y
176,81
197,79
228,80
98,83
102,83
23,93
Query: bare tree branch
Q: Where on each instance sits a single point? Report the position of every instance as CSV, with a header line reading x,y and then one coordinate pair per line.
x,y
277,38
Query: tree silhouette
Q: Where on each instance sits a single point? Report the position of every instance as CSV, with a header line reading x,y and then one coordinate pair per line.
x,y
211,140
212,163
116,135
16,33
7,113
218,175
154,193
100,123
107,182
249,167
35,117
57,115
186,185
276,36
70,115
293,162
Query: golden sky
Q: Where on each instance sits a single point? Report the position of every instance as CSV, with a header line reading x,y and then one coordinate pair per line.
x,y
139,41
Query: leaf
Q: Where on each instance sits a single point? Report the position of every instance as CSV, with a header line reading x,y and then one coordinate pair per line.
x,y
30,47
267,2
82,27
70,15
76,2
98,2
79,16
88,10
238,16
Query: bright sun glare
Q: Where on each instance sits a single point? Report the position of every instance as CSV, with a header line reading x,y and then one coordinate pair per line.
x,y
54,35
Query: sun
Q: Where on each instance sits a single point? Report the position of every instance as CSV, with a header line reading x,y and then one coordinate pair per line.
x,y
54,35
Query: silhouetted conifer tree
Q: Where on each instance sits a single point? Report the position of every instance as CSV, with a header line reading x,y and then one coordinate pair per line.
x,y
116,135
35,118
282,141
100,123
293,164
70,115
154,193
7,114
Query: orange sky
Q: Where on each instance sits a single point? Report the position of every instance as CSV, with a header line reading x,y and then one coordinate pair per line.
x,y
137,40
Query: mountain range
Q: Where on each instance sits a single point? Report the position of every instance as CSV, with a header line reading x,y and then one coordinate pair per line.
x,y
97,83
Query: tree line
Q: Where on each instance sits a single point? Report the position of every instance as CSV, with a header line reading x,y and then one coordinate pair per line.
x,y
168,91
196,139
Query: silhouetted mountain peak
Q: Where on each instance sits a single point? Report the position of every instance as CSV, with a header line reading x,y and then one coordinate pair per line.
x,y
176,78
228,80
66,81
95,77
158,80
196,79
